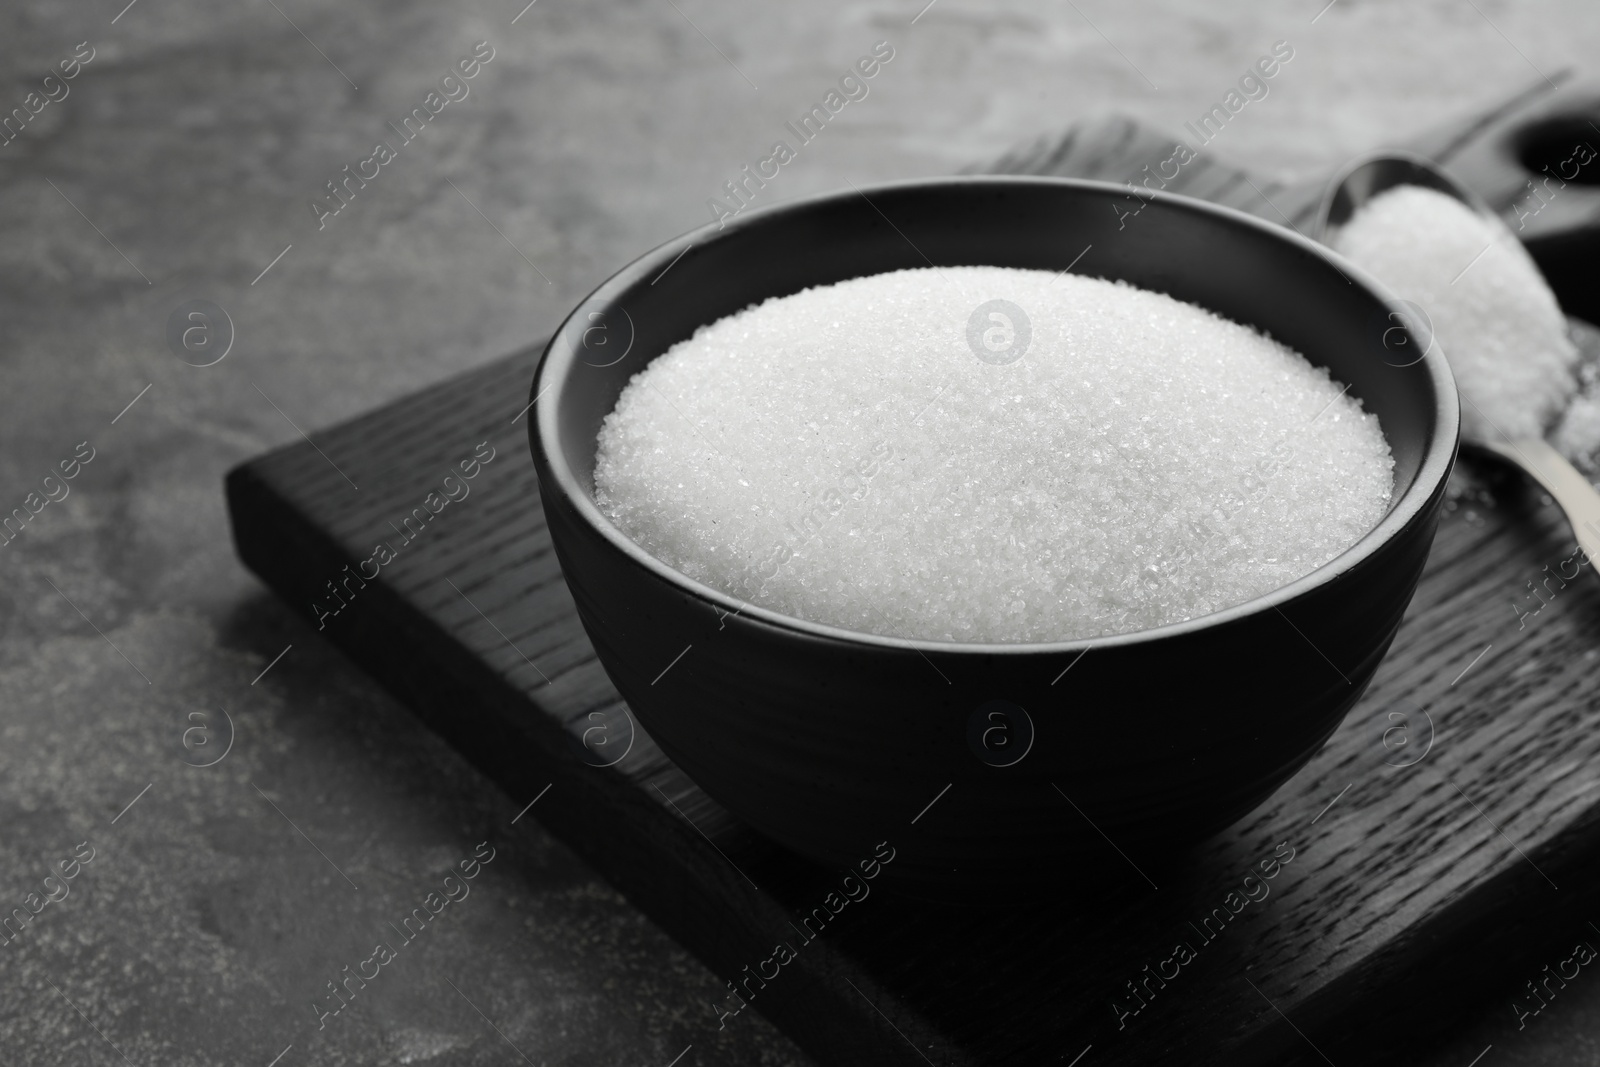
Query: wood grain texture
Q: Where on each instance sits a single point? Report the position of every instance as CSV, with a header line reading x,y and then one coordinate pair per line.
x,y
1414,892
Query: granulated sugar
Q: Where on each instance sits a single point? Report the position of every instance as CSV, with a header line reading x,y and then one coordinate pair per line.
x,y
1577,436
842,455
1492,313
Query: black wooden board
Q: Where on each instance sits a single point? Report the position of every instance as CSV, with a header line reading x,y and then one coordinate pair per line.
x,y
1414,872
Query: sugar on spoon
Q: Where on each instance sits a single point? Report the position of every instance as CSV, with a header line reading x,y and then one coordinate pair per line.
x,y
1356,187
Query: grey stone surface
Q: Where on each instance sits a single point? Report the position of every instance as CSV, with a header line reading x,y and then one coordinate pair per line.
x,y
181,162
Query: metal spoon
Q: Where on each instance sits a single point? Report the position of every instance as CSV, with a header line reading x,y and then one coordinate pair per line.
x,y
1365,179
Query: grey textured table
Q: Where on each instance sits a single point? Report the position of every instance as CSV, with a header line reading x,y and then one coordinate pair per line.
x,y
181,164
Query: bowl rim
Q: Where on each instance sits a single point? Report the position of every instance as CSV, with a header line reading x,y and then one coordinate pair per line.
x,y
1439,450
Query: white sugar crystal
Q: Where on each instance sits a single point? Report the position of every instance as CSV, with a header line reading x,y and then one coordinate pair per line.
x,y
1492,313
842,455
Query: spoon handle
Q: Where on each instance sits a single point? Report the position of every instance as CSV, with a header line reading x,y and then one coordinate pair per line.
x,y
1570,489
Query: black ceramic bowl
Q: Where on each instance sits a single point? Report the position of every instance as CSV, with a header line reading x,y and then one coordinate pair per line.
x,y
831,741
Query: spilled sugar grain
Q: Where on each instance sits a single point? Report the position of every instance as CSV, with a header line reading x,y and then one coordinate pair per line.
x,y
840,455
1492,313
